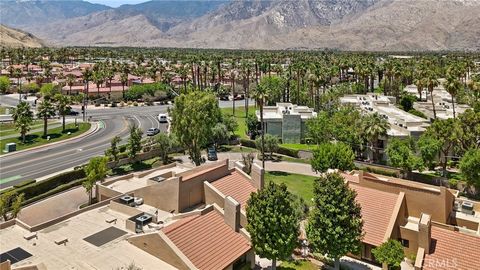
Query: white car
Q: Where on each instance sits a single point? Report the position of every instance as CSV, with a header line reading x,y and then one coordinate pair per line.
x,y
162,118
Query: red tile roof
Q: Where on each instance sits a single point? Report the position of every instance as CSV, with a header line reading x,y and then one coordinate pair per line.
x,y
207,241
235,185
452,250
377,210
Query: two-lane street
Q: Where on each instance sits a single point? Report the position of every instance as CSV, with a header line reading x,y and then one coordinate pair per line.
x,y
112,122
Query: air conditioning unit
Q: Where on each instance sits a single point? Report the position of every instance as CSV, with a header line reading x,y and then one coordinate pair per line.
x,y
467,208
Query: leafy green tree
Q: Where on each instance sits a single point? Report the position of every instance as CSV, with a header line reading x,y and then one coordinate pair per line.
x,y
319,128
165,144
219,134
4,84
335,224
333,156
22,118
470,167
390,253
63,107
134,145
271,143
11,202
469,131
230,123
114,151
273,222
96,170
446,132
429,148
401,155
193,117
252,125
45,110
49,90
407,101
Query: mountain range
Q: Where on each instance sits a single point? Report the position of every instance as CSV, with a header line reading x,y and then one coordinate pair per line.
x,y
373,25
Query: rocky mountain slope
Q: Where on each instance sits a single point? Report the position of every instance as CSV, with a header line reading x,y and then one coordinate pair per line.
x,y
279,24
14,38
17,13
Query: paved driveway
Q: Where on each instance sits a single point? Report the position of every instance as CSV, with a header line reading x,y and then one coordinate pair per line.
x,y
54,207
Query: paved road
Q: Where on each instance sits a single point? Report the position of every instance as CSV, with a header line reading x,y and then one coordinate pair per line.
x,y
48,160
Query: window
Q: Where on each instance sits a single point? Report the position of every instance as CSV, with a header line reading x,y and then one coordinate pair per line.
x,y
404,242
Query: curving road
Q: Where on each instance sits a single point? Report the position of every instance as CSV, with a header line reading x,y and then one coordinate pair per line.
x,y
112,122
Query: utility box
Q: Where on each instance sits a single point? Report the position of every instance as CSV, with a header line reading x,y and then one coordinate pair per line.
x,y
10,147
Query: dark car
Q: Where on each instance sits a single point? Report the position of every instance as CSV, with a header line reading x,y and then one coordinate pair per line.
x,y
153,131
212,154
224,98
239,97
73,113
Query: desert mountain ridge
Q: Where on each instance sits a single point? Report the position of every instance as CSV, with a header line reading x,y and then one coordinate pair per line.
x,y
372,25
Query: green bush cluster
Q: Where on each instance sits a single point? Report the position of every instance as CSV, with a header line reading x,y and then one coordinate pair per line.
x,y
248,143
47,186
379,171
281,150
54,191
24,183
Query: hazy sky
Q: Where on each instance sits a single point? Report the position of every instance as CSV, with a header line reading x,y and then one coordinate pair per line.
x,y
116,3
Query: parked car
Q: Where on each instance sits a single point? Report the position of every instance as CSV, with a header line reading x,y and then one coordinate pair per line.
x,y
162,118
239,97
224,98
74,113
212,154
153,131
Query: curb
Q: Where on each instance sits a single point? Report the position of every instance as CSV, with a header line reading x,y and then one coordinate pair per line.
x,y
93,128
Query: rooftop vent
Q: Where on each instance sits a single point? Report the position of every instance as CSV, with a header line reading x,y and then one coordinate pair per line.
x,y
467,208
158,179
126,199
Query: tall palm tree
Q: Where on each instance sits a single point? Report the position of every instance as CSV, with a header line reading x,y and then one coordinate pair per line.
x,y
45,111
261,94
63,107
71,79
87,77
374,126
22,118
431,82
452,85
98,78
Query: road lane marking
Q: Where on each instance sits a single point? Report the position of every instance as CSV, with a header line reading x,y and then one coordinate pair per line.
x,y
9,179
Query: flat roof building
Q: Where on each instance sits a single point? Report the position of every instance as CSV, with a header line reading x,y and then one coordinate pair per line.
x,y
286,121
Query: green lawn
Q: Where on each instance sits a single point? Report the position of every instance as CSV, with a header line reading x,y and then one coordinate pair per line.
x,y
7,129
298,265
299,146
240,117
300,185
36,139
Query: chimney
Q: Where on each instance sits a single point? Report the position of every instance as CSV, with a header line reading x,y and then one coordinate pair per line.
x,y
425,232
232,213
258,174
360,177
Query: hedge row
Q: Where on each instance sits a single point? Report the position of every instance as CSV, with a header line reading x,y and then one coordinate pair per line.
x,y
36,189
379,171
281,150
54,191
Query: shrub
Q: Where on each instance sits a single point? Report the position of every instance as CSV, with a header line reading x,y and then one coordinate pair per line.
x,y
248,143
287,152
35,189
24,183
54,191
453,183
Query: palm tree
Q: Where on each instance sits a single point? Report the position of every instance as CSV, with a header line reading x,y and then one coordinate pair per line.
x,y
98,78
261,96
45,111
87,77
374,126
71,79
23,118
431,82
452,85
63,107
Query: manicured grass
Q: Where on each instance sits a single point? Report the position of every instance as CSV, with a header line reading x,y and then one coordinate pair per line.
x,y
298,265
240,117
7,129
299,146
300,185
36,139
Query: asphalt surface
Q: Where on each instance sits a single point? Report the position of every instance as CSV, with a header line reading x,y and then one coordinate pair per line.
x,y
48,160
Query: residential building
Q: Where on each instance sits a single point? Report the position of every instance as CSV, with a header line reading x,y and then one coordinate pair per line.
x,y
171,217
286,121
